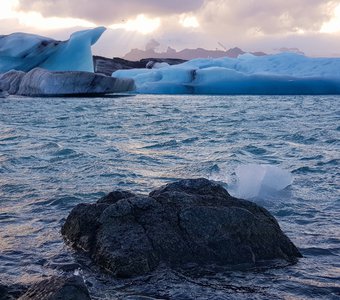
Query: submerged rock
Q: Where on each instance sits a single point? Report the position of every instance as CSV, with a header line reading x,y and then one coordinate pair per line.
x,y
11,292
40,82
190,221
58,288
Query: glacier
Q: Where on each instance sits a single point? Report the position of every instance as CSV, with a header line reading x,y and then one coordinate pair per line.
x,y
24,52
277,74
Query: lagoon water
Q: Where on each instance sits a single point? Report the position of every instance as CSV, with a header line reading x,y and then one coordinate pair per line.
x,y
57,152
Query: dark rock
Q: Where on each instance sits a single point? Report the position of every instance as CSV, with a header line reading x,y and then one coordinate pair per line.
x,y
190,221
107,66
115,196
40,82
58,288
11,292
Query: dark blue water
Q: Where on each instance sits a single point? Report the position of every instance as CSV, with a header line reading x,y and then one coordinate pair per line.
x,y
55,153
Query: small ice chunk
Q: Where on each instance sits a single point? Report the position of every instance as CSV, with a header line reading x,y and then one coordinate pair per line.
x,y
156,65
255,179
76,272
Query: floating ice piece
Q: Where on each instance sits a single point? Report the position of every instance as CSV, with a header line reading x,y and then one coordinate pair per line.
x,y
22,51
280,74
156,65
253,180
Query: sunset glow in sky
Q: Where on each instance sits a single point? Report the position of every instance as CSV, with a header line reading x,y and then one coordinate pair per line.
x,y
313,26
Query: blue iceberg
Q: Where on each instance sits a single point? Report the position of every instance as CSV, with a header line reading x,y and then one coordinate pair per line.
x,y
280,74
23,52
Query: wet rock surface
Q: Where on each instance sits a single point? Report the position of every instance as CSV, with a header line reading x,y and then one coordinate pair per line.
x,y
189,221
58,288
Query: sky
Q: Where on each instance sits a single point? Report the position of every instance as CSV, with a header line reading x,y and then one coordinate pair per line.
x,y
313,26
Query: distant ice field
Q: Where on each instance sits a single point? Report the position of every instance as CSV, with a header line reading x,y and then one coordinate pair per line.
x,y
280,74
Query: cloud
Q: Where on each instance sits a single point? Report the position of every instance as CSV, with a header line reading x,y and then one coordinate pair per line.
x,y
216,17
267,16
312,44
255,25
108,11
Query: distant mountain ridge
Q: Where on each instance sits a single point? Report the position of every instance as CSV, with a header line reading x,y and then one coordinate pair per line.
x,y
186,54
137,58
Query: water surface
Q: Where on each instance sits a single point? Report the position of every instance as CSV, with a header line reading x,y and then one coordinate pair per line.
x,y
57,152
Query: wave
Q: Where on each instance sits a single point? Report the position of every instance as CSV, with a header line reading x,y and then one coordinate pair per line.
x,y
254,180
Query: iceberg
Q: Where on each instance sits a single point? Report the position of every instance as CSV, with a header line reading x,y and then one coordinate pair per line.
x,y
24,52
279,74
40,82
31,65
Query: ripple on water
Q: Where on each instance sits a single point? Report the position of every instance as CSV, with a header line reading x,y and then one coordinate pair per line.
x,y
255,150
170,143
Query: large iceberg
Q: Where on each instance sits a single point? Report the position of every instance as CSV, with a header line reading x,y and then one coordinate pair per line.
x,y
40,82
280,74
23,52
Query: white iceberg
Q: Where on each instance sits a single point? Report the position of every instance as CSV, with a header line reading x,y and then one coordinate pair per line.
x,y
280,74
254,180
23,52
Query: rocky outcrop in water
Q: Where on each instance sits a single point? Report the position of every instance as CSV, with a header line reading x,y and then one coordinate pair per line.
x,y
190,221
40,82
58,288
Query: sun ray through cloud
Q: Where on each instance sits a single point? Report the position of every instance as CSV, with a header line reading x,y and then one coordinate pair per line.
x,y
142,24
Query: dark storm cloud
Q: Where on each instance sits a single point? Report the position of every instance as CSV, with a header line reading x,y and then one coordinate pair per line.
x,y
108,11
